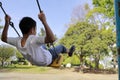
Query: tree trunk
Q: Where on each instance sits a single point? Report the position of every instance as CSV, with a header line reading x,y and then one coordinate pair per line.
x,y
97,58
96,63
2,63
81,59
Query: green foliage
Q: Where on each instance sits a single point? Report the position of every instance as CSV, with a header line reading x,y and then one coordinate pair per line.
x,y
94,36
43,33
102,14
106,7
73,60
18,54
5,53
1,27
67,60
94,33
25,69
89,40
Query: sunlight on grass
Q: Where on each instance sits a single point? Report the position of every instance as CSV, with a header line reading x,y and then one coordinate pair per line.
x,y
25,69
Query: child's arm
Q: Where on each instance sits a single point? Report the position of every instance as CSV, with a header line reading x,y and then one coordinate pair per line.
x,y
49,34
5,30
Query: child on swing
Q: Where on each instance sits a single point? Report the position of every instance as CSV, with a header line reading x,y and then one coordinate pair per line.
x,y
33,47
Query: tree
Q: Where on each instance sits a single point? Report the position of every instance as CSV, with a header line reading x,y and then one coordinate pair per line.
x,y
79,13
5,53
102,14
105,7
93,32
43,33
18,54
1,28
79,34
89,41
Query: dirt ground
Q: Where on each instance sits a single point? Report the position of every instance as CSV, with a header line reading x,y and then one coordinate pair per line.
x,y
57,74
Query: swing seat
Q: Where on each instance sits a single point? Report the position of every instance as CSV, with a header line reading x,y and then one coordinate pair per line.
x,y
57,62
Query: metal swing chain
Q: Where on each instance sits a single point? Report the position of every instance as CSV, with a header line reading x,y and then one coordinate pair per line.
x,y
11,23
48,43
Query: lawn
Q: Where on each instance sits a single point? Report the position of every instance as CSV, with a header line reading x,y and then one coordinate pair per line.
x,y
25,69
48,73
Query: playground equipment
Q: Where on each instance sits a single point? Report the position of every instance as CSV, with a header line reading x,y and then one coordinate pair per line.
x,y
11,23
117,18
57,62
39,6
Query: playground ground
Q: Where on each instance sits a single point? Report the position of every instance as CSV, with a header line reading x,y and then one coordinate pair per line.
x,y
57,74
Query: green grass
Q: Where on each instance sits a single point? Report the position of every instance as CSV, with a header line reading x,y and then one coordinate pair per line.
x,y
25,69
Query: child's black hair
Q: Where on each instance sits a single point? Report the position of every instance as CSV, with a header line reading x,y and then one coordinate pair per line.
x,y
26,24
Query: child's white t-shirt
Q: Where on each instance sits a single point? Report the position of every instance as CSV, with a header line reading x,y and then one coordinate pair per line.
x,y
33,50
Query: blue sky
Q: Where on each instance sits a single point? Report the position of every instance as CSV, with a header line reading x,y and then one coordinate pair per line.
x,y
58,13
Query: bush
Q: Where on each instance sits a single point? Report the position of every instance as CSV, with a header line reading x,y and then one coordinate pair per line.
x,y
73,60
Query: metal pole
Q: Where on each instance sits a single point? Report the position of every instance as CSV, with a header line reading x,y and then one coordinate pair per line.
x,y
117,18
